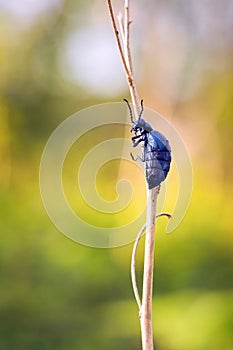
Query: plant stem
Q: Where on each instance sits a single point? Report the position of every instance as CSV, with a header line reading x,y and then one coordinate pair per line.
x,y
125,52
146,308
146,305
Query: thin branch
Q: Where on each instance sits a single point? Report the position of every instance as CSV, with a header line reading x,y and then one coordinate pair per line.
x,y
128,59
121,26
146,309
146,304
133,261
127,38
125,53
117,37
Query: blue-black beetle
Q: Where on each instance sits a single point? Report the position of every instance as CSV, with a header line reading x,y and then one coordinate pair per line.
x,y
156,149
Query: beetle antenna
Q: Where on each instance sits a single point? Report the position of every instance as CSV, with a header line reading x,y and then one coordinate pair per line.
x,y
142,108
130,110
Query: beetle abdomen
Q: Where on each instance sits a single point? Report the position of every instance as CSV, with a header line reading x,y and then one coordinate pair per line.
x,y
157,158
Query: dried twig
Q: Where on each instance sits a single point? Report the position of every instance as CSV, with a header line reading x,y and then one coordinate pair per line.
x,y
127,40
117,37
125,51
146,308
146,305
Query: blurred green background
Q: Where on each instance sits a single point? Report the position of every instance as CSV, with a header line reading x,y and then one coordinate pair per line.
x,y
57,57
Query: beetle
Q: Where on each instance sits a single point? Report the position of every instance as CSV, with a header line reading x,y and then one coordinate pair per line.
x,y
156,149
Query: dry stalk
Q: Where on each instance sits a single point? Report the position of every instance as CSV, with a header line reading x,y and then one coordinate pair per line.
x,y
145,306
125,52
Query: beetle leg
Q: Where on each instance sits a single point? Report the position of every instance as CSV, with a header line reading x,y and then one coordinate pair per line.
x,y
144,154
141,159
136,136
137,139
135,143
132,156
137,158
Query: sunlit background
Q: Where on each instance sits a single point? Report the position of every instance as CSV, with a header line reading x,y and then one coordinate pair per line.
x,y
57,57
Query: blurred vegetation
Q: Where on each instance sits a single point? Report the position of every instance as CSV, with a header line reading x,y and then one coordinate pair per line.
x,y
56,294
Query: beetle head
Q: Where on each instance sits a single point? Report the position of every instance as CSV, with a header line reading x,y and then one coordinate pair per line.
x,y
141,125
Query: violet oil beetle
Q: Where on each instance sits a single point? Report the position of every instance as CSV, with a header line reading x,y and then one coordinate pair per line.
x,y
156,149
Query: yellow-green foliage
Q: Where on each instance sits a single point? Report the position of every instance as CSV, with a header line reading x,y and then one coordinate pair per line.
x,y
56,294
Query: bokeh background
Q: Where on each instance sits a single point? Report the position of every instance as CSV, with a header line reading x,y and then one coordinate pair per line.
x,y
57,57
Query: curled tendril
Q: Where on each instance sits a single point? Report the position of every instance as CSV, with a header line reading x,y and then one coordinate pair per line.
x,y
133,260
